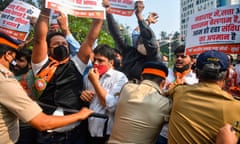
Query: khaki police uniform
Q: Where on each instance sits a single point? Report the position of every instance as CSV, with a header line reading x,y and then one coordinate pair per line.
x,y
199,111
14,104
140,114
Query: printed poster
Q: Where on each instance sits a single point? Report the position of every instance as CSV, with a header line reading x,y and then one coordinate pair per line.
x,y
78,8
123,7
217,29
15,17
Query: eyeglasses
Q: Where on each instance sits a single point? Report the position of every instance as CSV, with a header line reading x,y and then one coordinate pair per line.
x,y
236,128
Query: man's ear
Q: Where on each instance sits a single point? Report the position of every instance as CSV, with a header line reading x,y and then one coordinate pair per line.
x,y
8,56
111,62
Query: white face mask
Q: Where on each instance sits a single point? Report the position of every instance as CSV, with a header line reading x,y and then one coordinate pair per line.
x,y
13,62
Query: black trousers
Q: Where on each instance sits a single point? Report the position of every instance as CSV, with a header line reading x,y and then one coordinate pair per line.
x,y
98,140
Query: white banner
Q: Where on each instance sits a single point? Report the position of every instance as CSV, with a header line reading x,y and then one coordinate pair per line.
x,y
79,8
214,29
15,19
123,7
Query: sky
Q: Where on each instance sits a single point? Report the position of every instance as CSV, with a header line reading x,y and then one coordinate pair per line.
x,y
167,10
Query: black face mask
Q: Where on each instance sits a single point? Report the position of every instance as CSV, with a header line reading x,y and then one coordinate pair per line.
x,y
60,53
186,67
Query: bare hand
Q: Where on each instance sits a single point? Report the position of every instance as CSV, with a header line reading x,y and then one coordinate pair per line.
x,y
63,23
152,18
226,135
33,20
139,7
84,113
87,95
106,4
93,75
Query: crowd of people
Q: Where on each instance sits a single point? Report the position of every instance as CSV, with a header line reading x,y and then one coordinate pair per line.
x,y
64,92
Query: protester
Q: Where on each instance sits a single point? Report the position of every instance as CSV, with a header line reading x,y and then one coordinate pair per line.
x,y
200,110
231,80
237,68
147,48
135,36
60,78
118,59
24,74
15,103
102,88
180,74
142,110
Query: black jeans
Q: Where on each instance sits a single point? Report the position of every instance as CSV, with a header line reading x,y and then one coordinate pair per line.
x,y
98,140
76,136
28,135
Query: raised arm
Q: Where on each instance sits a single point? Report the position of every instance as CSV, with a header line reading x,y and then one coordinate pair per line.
x,y
146,33
86,47
115,32
40,49
73,44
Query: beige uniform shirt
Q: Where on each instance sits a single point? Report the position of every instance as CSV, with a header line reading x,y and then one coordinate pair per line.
x,y
140,114
199,111
14,104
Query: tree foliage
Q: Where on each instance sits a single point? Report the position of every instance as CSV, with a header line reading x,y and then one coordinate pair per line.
x,y
4,3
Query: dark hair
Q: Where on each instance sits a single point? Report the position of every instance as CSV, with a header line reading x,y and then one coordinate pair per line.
x,y
52,34
211,72
118,51
105,51
5,48
179,49
24,52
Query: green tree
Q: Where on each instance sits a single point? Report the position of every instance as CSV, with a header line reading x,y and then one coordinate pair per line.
x,y
4,3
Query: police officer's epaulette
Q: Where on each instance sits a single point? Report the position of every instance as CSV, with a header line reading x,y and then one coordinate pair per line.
x,y
7,74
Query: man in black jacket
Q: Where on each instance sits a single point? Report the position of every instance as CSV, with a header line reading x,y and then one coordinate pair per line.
x,y
147,48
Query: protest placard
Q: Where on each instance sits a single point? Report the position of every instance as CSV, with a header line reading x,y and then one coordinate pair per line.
x,y
217,29
15,19
79,8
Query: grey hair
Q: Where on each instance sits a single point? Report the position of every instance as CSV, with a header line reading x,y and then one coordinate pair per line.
x,y
211,72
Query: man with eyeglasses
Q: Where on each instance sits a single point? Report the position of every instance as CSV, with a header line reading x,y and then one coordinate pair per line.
x,y
180,74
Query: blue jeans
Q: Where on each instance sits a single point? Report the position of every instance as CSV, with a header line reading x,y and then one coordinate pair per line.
x,y
76,136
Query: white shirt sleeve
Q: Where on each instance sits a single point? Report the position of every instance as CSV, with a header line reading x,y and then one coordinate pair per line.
x,y
37,67
79,64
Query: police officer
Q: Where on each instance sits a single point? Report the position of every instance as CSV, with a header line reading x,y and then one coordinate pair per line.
x,y
14,102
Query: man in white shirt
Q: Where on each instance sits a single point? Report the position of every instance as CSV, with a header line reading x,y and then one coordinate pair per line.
x,y
180,74
102,88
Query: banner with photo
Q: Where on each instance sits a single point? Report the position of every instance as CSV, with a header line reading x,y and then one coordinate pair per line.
x,y
15,19
217,29
78,8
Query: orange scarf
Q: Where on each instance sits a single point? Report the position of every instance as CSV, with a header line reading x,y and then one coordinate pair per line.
x,y
180,76
46,74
